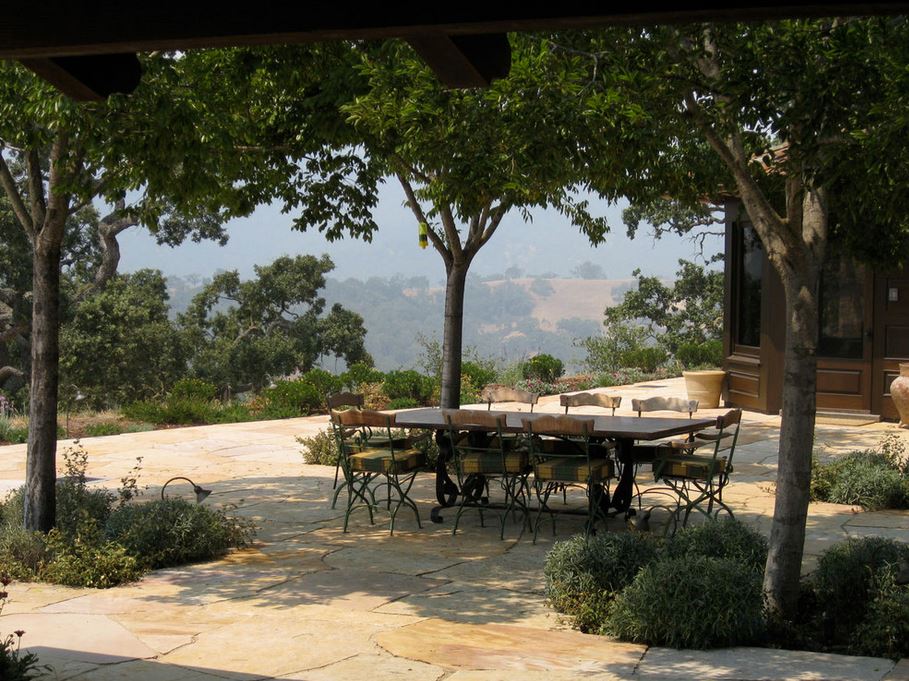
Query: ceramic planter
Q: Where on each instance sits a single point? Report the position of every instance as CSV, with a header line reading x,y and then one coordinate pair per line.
x,y
899,391
705,387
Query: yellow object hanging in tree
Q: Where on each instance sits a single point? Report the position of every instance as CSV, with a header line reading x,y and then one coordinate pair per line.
x,y
424,235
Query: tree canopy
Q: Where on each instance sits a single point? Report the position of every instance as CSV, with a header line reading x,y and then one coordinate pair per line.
x,y
244,333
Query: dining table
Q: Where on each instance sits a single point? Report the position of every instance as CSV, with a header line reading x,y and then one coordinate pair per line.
x,y
622,430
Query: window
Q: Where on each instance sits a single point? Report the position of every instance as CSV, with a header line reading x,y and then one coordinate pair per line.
x,y
842,309
748,303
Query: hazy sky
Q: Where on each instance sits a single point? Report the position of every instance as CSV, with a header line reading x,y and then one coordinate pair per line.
x,y
548,244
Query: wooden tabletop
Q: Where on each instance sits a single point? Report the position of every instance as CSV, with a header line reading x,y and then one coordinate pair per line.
x,y
618,427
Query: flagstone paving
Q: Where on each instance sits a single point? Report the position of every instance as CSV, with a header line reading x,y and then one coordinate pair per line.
x,y
307,601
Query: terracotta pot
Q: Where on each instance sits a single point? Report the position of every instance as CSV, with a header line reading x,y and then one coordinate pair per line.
x,y
899,391
705,387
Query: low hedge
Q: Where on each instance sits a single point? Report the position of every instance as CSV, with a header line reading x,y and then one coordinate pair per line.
x,y
690,602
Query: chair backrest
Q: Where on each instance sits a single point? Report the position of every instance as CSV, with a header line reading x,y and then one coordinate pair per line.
x,y
590,400
558,425
665,404
365,417
727,434
345,400
472,417
493,393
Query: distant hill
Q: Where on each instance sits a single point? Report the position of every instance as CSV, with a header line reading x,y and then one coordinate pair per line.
x,y
506,319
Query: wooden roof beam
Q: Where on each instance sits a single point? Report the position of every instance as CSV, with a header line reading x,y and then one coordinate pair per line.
x,y
90,78
464,61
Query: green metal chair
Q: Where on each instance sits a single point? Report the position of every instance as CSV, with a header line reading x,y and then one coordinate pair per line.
x,y
579,463
700,472
370,454
483,455
339,402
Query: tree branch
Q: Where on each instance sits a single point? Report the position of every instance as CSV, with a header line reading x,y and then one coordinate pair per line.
x,y
451,232
15,198
36,187
51,231
417,210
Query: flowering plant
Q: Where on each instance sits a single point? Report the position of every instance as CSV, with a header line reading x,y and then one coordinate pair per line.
x,y
14,665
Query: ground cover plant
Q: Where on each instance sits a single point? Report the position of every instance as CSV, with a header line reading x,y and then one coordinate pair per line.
x,y
874,479
701,588
104,538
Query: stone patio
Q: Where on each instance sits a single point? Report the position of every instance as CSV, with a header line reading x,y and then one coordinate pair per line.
x,y
309,602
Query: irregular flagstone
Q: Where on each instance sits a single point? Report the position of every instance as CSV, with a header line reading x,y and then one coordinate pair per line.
x,y
150,670
504,647
280,642
68,638
880,519
349,590
389,560
758,664
520,569
528,675
242,574
360,667
477,605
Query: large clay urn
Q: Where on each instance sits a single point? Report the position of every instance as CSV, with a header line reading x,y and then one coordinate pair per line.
x,y
705,386
899,391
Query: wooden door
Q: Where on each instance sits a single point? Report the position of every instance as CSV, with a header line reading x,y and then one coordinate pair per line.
x,y
845,347
891,337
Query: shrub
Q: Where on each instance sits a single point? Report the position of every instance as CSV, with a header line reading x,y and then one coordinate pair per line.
x,y
22,553
373,396
535,385
544,367
884,632
647,360
727,538
193,389
321,448
89,561
403,403
511,375
698,355
103,429
871,479
479,373
845,580
291,398
407,383
174,410
324,382
583,576
233,413
10,433
174,531
359,373
690,602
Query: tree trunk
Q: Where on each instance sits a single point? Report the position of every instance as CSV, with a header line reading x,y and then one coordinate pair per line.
x,y
452,335
41,474
790,515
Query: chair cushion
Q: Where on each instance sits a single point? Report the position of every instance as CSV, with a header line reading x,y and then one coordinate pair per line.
x,y
647,452
489,463
573,469
691,466
381,461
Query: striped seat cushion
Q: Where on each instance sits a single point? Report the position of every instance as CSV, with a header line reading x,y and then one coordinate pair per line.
x,y
647,452
381,461
573,469
516,461
692,466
